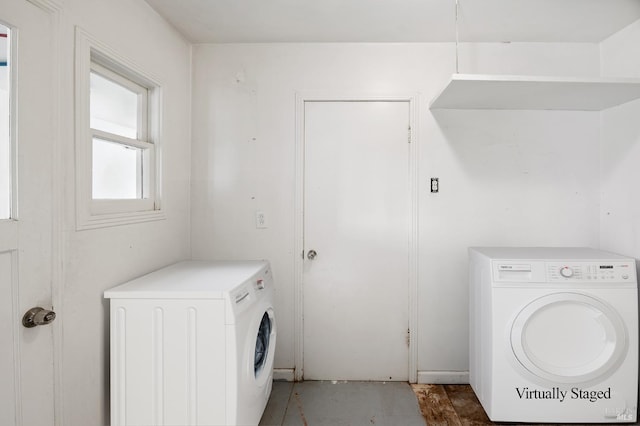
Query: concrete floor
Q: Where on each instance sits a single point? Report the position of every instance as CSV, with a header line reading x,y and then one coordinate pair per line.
x,y
342,403
375,403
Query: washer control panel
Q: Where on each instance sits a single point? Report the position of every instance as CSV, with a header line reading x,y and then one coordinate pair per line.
x,y
591,271
564,271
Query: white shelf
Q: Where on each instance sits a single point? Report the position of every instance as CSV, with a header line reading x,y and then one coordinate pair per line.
x,y
477,91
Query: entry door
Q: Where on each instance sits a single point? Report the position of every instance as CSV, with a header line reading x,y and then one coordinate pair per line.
x,y
26,357
356,224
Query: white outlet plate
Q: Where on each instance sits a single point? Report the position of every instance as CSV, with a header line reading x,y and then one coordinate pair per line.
x,y
261,220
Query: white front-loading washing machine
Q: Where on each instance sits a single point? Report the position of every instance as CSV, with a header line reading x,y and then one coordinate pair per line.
x,y
193,344
553,334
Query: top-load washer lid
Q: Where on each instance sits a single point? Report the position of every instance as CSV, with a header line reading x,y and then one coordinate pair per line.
x,y
568,338
192,279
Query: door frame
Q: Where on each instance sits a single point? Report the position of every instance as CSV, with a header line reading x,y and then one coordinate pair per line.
x,y
55,10
298,252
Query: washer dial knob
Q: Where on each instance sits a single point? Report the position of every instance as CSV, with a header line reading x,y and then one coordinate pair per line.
x,y
566,271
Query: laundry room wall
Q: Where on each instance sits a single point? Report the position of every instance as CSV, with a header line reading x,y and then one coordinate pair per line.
x,y
506,177
98,259
620,149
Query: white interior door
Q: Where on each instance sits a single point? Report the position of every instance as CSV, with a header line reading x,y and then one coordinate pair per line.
x,y
356,221
26,358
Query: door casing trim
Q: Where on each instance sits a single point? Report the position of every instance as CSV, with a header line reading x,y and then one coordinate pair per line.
x,y
412,302
58,255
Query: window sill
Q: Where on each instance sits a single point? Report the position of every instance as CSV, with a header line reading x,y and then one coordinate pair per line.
x,y
116,219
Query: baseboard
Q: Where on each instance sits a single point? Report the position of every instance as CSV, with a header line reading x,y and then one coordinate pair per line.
x,y
443,377
424,377
283,374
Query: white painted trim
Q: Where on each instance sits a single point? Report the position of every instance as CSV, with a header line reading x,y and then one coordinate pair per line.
x,y
122,140
92,214
115,219
58,212
13,122
300,99
284,374
443,377
298,244
414,234
16,344
312,96
50,6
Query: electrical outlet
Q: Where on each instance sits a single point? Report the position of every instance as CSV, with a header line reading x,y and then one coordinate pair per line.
x,y
261,220
435,185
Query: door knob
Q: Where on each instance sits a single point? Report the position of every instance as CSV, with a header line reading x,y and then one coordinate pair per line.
x,y
311,254
38,316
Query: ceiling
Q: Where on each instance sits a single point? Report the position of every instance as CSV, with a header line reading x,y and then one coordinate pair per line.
x,y
264,21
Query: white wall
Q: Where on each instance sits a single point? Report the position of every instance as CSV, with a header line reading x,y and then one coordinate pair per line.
x,y
507,177
95,260
620,149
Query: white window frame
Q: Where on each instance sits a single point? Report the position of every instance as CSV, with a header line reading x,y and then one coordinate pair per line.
x,y
94,56
141,141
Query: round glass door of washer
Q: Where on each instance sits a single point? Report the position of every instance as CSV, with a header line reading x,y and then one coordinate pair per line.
x,y
263,344
568,338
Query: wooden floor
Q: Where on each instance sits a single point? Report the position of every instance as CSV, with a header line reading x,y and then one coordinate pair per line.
x,y
450,405
457,405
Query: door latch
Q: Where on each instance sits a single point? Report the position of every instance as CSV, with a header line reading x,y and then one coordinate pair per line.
x,y
38,316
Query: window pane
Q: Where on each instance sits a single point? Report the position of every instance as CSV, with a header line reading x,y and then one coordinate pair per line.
x,y
114,108
117,170
5,133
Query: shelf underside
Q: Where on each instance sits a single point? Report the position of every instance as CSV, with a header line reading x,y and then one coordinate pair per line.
x,y
468,91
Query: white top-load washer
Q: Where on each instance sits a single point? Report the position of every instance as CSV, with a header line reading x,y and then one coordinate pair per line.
x,y
193,344
554,334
